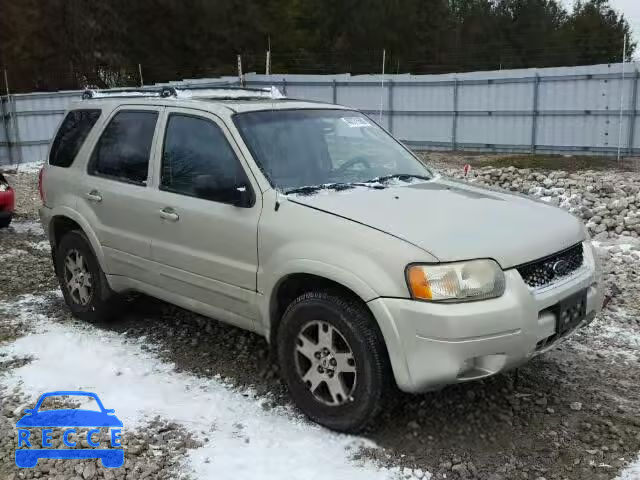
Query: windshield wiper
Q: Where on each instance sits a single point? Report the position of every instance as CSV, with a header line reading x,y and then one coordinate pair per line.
x,y
311,189
405,177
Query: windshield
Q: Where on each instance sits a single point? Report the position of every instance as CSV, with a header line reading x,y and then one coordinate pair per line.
x,y
330,148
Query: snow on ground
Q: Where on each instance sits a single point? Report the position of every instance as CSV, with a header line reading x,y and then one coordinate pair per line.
x,y
246,439
32,227
632,472
43,245
28,167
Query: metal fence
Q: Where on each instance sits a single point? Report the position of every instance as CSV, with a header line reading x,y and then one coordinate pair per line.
x,y
568,110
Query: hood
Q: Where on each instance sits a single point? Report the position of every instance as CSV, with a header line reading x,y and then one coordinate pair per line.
x,y
455,221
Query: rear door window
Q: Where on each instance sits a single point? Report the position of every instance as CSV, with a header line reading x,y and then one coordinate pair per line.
x,y
71,135
122,153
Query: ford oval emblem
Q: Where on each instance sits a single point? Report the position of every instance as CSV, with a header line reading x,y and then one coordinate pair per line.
x,y
561,268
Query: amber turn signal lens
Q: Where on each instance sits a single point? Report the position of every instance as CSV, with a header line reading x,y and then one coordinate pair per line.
x,y
419,283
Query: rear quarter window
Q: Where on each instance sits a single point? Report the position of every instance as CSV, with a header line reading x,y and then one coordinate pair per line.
x,y
71,135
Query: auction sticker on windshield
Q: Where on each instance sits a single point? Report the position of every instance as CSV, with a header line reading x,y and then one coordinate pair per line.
x,y
100,429
356,122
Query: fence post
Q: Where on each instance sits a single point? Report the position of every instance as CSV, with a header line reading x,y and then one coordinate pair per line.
x,y
140,75
16,129
284,86
10,128
5,126
634,110
5,117
335,91
240,74
390,105
454,125
534,112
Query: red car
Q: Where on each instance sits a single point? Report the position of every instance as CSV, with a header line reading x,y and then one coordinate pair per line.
x,y
7,202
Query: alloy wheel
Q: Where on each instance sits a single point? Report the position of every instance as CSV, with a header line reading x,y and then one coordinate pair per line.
x,y
78,278
325,362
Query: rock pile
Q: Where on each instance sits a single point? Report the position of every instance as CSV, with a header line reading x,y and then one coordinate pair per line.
x,y
608,202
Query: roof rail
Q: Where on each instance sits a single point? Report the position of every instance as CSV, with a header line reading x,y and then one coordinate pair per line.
x,y
204,92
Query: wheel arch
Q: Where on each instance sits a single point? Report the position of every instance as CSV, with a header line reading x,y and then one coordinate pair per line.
x,y
292,285
66,220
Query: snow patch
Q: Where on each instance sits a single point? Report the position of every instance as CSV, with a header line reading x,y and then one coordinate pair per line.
x,y
186,93
31,227
342,189
272,93
632,472
28,167
43,246
625,337
246,440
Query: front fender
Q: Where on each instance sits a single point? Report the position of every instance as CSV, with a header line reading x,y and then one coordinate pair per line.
x,y
352,268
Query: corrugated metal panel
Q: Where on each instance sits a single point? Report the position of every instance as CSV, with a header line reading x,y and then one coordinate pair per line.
x,y
318,94
420,129
561,110
501,96
494,130
412,98
369,97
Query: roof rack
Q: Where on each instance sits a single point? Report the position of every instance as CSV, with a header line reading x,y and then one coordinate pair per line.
x,y
204,92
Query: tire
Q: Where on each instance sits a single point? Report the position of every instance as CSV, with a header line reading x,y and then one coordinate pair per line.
x,y
5,221
98,303
367,388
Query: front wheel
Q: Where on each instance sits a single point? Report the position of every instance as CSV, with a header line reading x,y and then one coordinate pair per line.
x,y
83,284
334,361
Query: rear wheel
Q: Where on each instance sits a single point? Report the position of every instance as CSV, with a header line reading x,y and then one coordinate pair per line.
x,y
333,360
82,281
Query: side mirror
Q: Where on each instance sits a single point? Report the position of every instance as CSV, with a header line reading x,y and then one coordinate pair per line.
x,y
28,411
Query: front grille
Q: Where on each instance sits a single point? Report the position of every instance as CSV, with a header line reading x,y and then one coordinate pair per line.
x,y
547,270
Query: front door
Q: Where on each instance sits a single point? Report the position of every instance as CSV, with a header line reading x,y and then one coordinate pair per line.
x,y
204,245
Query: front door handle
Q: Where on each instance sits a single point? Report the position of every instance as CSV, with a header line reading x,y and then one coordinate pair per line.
x,y
168,213
94,196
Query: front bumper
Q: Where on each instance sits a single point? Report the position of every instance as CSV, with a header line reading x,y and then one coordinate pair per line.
x,y
432,344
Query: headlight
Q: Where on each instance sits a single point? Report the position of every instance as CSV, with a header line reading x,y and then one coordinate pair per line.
x,y
4,187
453,282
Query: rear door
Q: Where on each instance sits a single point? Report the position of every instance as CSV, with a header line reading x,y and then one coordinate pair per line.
x,y
63,173
204,246
115,194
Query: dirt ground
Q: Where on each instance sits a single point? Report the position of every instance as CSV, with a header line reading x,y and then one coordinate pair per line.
x,y
572,413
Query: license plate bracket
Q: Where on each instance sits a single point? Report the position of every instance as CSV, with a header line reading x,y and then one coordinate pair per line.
x,y
570,312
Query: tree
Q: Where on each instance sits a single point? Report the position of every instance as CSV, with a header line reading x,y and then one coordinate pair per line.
x,y
596,34
70,43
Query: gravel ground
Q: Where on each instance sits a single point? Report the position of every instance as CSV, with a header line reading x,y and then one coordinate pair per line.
x,y
569,414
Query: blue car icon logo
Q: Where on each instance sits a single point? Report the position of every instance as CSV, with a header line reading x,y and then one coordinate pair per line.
x,y
67,419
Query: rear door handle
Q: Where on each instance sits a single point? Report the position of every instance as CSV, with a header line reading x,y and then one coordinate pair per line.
x,y
168,213
94,196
